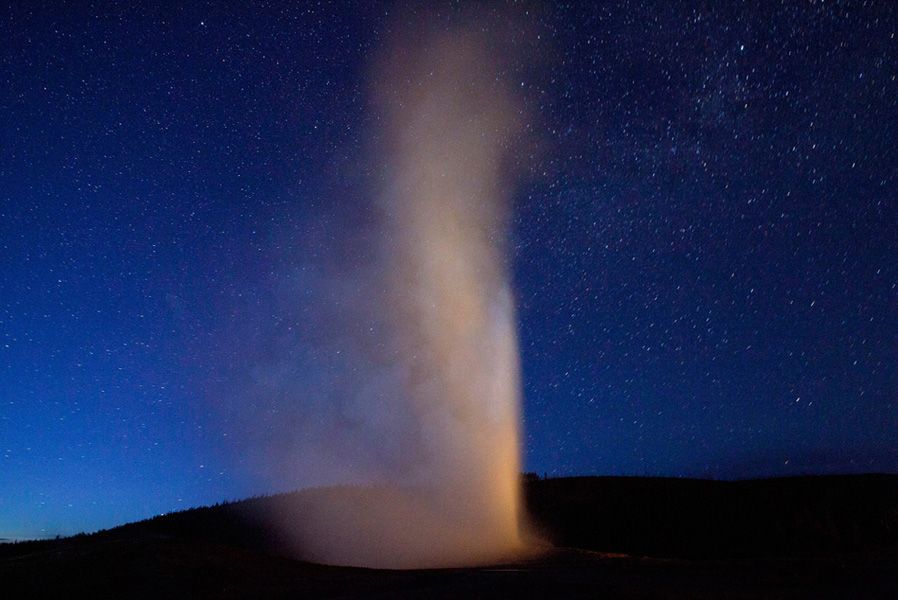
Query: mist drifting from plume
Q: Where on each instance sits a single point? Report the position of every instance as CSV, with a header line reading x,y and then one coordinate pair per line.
x,y
407,380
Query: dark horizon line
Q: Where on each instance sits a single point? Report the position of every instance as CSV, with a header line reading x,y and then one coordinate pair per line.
x,y
14,539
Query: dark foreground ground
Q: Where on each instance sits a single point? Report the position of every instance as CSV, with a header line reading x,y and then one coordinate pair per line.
x,y
832,537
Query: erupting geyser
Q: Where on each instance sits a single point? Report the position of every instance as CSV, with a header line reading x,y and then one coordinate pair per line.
x,y
448,124
435,438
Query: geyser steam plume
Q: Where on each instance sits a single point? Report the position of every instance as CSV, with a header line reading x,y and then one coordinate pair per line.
x,y
433,427
447,126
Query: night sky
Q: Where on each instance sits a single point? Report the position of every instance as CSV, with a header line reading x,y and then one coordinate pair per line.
x,y
704,246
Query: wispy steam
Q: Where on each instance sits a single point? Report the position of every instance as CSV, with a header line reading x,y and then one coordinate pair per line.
x,y
402,372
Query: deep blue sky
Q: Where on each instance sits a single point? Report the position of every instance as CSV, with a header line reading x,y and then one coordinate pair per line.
x,y
704,254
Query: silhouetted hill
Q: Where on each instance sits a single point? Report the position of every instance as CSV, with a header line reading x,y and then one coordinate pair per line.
x,y
642,516
691,518
808,537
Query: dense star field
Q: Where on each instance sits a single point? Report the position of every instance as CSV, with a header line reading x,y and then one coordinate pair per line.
x,y
703,245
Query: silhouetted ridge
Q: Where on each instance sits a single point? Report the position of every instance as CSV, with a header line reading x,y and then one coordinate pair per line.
x,y
690,518
675,518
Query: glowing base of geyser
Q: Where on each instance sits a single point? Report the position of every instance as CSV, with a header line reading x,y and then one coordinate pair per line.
x,y
446,119
398,528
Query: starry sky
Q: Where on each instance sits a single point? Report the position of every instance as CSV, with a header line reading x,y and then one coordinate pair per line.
x,y
703,249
